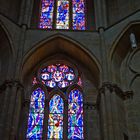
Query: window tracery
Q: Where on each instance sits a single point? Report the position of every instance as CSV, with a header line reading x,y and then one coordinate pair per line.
x,y
62,14
63,87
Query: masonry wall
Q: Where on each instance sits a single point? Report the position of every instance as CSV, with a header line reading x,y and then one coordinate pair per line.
x,y
94,51
119,9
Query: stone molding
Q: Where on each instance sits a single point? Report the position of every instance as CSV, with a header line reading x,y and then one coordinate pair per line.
x,y
89,106
11,83
124,95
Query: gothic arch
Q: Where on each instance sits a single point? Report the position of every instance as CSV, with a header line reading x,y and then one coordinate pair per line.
x,y
122,48
63,47
8,36
6,53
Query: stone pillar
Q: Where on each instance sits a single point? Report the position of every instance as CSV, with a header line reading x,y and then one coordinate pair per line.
x,y
110,99
12,113
85,114
65,117
103,50
6,88
91,122
26,12
24,120
16,112
103,117
100,13
46,117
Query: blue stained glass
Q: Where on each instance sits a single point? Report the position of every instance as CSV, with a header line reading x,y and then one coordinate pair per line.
x,y
64,68
51,68
75,120
55,127
35,120
63,84
38,95
75,133
46,17
75,96
75,115
56,104
56,119
51,83
58,75
78,6
75,107
55,132
78,21
70,76
45,76
62,14
78,14
34,132
37,107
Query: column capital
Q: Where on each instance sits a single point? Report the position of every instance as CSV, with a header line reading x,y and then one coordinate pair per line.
x,y
13,82
114,88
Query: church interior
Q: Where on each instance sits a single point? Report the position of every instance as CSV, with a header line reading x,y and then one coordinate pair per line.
x,y
72,70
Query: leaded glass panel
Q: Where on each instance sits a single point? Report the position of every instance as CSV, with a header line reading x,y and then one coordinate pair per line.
x,y
36,115
65,13
75,115
55,122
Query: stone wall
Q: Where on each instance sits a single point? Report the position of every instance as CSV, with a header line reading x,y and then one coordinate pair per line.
x,y
119,9
102,55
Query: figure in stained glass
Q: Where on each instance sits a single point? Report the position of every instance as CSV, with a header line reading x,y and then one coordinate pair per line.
x,y
55,125
62,15
36,115
75,115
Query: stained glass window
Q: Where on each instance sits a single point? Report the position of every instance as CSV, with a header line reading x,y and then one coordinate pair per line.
x,y
46,116
58,75
55,125
46,14
66,11
36,115
75,115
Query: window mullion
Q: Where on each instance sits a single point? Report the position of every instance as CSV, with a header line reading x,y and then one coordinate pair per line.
x,y
70,14
46,117
55,14
65,120
85,14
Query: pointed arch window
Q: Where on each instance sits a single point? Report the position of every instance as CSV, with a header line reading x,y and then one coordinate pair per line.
x,y
58,107
63,14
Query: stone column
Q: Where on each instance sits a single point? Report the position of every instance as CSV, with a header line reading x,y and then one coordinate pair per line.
x,y
100,13
24,119
103,55
65,118
6,88
13,109
103,117
109,108
26,12
46,119
85,115
16,112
